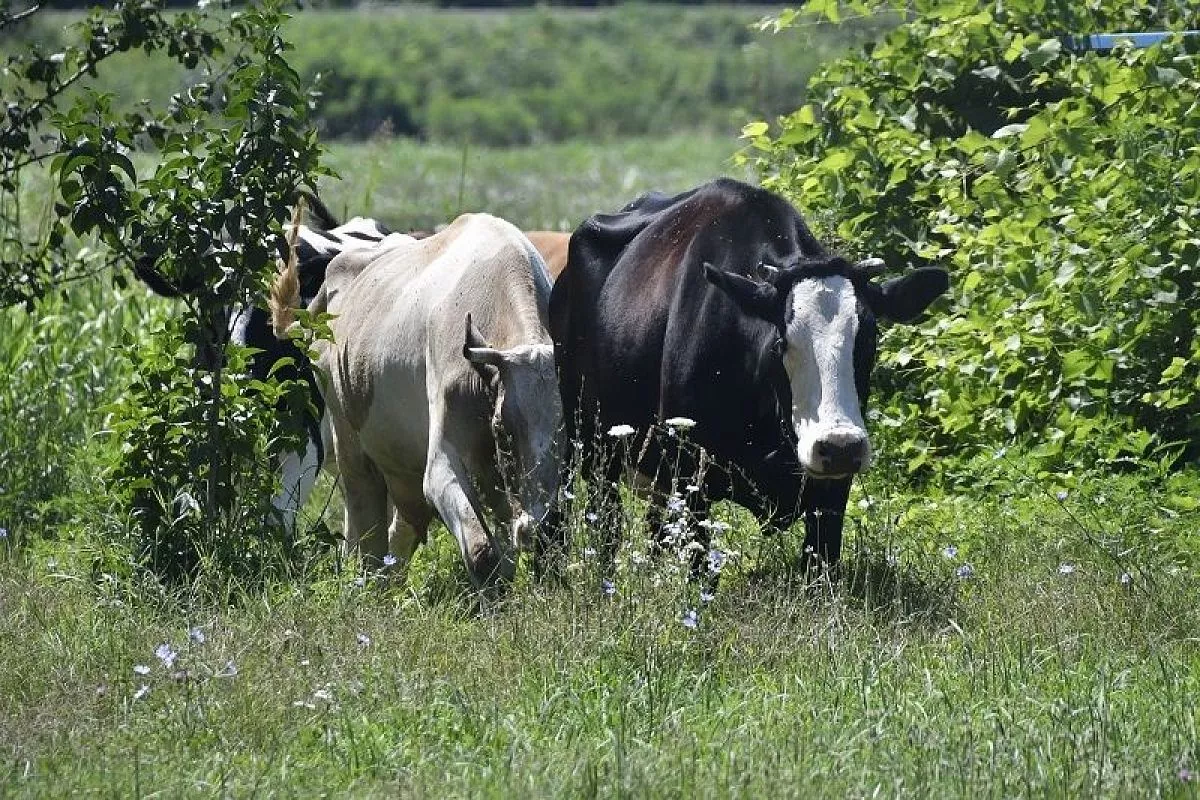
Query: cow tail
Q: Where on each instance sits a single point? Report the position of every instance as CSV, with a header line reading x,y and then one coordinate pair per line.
x,y
285,289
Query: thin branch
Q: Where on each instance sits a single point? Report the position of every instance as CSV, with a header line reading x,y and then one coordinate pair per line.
x,y
52,94
17,17
11,168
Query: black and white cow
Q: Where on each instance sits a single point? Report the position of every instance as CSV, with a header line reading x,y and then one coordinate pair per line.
x,y
719,305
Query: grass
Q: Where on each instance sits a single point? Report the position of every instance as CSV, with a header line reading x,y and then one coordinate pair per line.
x,y
550,187
1021,679
1003,643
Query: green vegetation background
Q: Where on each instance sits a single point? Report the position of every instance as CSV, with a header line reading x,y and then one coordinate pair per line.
x,y
1024,632
523,76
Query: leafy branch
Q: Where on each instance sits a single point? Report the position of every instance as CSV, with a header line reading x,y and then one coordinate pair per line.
x,y
1061,187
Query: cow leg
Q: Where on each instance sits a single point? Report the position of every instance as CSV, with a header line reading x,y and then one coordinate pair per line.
x,y
366,498
824,504
448,489
327,444
410,522
299,470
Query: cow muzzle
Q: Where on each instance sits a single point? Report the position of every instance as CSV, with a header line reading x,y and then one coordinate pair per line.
x,y
837,453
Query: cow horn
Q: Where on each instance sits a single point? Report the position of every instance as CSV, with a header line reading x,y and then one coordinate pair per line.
x,y
872,266
477,350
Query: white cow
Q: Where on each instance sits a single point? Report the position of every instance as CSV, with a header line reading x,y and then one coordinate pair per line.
x,y
251,326
428,413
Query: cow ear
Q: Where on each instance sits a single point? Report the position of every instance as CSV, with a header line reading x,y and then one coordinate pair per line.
x,y
754,297
903,299
482,355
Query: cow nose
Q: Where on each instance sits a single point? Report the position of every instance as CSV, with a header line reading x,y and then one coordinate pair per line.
x,y
843,457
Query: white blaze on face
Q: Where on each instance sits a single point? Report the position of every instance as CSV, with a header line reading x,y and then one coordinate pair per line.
x,y
819,359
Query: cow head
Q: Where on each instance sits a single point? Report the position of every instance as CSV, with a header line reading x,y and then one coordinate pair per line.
x,y
526,418
824,311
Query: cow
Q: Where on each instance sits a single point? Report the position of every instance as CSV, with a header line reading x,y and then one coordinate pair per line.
x,y
441,391
316,245
720,306
315,248
553,247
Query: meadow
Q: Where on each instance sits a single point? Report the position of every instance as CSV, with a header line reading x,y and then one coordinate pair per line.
x,y
1031,634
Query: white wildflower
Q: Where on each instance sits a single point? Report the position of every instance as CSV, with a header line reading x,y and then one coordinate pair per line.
x,y
166,654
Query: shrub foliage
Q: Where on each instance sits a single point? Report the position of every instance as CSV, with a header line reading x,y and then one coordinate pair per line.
x,y
202,223
1062,187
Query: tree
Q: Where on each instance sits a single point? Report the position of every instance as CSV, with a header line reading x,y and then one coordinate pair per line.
x,y
201,215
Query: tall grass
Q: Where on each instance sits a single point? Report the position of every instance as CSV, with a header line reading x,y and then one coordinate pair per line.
x,y
1019,678
60,363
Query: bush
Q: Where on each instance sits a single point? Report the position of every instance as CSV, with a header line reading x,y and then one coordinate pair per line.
x,y
197,475
200,224
1061,187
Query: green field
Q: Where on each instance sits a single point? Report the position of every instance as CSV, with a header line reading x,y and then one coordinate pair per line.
x,y
1018,639
551,187
520,76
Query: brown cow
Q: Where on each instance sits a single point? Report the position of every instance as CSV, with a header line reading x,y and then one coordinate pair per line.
x,y
553,247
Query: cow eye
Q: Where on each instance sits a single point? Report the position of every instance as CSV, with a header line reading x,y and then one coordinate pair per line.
x,y
778,346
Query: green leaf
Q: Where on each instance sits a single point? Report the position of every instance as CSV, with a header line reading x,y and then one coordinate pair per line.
x,y
1035,132
1173,371
752,130
837,160
1046,52
823,8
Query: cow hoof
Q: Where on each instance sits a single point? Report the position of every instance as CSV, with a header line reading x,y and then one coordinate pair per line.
x,y
524,531
489,566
